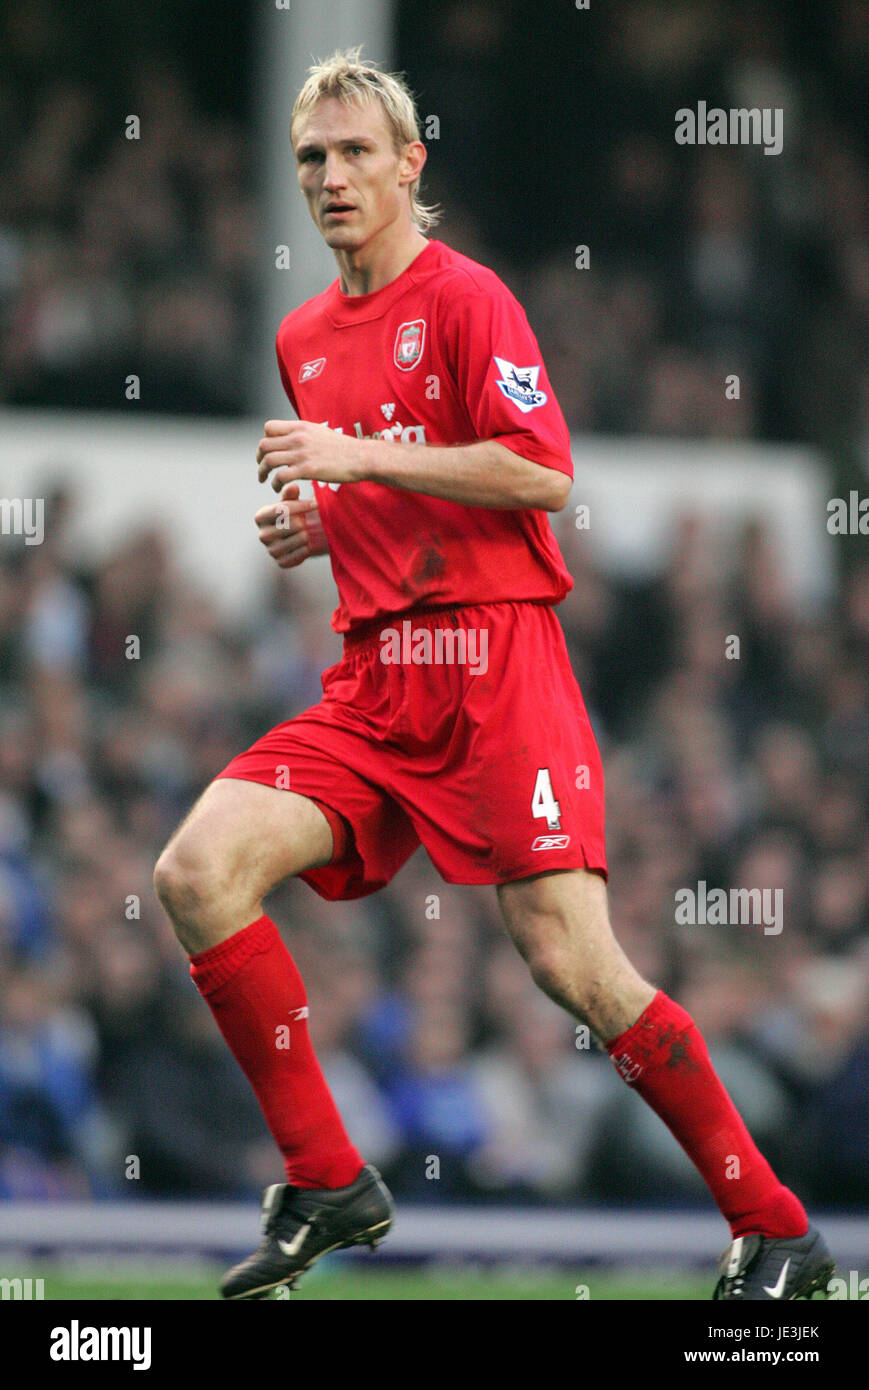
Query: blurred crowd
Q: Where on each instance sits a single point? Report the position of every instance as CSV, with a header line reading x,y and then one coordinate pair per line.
x,y
121,255
703,261
128,226
750,772
747,772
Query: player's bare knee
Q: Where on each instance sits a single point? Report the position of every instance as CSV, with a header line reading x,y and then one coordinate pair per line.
x,y
187,885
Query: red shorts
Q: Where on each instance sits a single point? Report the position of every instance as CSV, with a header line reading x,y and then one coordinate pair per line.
x,y
472,739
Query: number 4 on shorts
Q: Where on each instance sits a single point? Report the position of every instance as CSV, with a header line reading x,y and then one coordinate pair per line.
x,y
543,802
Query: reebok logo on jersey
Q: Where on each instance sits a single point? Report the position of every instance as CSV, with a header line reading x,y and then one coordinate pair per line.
x,y
388,410
409,342
309,370
551,842
519,385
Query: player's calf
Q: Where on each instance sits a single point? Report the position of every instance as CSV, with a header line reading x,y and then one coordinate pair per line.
x,y
560,925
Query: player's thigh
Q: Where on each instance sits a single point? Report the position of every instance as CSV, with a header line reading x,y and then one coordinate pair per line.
x,y
243,838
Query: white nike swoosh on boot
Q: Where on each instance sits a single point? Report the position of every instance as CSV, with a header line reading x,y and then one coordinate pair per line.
x,y
779,1286
292,1247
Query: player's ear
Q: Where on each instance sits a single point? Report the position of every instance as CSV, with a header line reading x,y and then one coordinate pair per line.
x,y
412,159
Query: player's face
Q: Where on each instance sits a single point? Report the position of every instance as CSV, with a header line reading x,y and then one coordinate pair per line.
x,y
350,173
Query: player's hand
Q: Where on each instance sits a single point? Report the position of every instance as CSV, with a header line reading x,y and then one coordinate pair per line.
x,y
293,449
290,529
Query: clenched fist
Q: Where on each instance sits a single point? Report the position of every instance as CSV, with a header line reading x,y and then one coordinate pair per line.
x,y
291,529
293,449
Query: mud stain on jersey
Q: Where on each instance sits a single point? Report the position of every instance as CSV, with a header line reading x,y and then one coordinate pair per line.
x,y
429,565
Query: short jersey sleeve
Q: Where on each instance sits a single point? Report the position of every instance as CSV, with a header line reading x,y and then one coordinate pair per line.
x,y
282,368
496,364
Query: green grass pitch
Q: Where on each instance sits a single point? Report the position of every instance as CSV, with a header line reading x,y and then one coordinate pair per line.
x,y
340,1281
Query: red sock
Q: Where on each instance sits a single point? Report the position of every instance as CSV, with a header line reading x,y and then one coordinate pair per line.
x,y
664,1057
252,986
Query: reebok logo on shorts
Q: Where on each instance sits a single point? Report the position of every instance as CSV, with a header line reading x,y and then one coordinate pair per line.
x,y
551,842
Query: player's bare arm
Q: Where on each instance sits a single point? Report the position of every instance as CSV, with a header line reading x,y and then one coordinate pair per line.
x,y
481,474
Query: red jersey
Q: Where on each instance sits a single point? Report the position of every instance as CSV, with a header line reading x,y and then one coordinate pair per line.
x,y
442,355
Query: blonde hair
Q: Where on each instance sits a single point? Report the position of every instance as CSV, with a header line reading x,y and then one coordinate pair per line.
x,y
346,77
